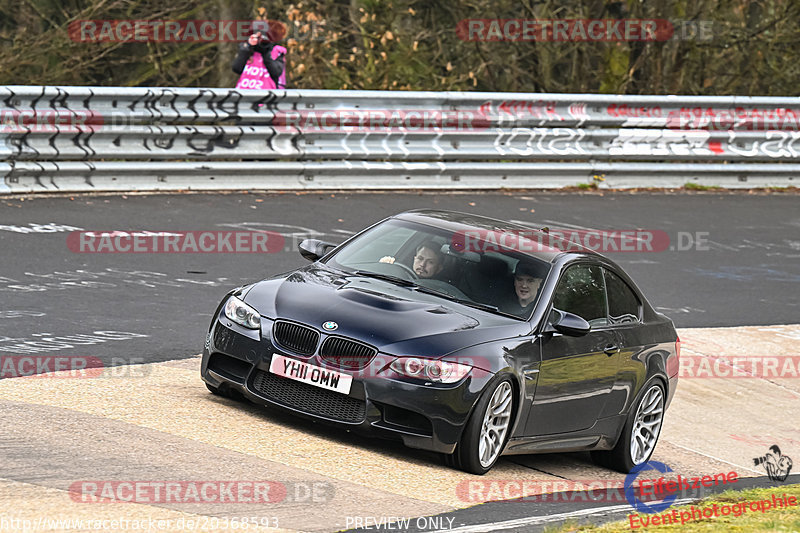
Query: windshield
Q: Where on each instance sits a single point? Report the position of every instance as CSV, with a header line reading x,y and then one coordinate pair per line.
x,y
432,260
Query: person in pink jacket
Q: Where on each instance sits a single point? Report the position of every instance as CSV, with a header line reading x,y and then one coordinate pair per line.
x,y
260,63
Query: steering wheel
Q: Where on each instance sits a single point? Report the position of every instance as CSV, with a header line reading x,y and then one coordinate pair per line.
x,y
393,268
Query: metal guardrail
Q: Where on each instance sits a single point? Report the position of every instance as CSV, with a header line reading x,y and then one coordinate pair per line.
x,y
90,138
75,176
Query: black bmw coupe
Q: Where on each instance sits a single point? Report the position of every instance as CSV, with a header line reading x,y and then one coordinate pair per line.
x,y
455,333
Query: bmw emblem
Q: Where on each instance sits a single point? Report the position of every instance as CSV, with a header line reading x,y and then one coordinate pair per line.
x,y
330,325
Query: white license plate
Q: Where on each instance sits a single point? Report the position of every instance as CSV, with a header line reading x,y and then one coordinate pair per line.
x,y
313,375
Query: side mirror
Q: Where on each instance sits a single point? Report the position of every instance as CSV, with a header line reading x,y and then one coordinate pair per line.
x,y
313,249
567,324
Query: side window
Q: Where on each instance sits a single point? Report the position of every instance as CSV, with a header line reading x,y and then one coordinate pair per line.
x,y
581,291
623,304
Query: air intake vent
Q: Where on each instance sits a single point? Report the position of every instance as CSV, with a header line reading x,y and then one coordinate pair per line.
x,y
309,399
296,338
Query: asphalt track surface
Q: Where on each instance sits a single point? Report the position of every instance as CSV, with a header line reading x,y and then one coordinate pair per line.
x,y
519,516
744,271
156,422
156,307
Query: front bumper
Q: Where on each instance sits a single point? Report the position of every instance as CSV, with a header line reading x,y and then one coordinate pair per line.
x,y
429,417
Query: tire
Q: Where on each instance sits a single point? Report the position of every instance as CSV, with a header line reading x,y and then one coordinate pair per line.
x,y
640,433
481,445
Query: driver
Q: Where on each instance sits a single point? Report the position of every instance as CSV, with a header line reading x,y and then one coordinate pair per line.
x,y
428,260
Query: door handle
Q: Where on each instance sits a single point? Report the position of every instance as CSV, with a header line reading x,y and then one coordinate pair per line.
x,y
611,349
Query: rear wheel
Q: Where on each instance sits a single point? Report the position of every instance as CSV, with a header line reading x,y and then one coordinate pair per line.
x,y
640,434
486,432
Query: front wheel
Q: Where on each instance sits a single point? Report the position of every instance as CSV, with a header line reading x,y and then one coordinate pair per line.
x,y
640,434
486,432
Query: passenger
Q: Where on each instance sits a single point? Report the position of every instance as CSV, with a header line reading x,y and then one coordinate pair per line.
x,y
526,287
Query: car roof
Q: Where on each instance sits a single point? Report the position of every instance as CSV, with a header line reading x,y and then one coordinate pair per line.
x,y
456,221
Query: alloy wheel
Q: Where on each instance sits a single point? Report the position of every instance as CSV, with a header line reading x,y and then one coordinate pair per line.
x,y
495,424
647,424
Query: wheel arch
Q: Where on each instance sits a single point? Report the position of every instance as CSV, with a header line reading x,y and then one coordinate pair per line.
x,y
515,410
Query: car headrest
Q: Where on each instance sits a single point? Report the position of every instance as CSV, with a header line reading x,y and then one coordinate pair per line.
x,y
492,266
530,268
472,257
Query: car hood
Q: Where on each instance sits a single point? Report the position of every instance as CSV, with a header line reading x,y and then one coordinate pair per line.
x,y
395,319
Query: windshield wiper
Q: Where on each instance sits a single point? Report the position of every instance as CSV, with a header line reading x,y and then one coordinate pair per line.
x,y
470,303
486,307
427,290
386,277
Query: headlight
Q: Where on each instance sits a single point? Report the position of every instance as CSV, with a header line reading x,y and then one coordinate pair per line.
x,y
242,314
430,369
